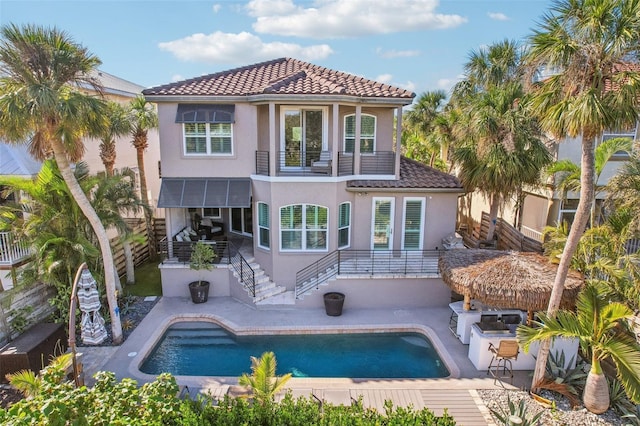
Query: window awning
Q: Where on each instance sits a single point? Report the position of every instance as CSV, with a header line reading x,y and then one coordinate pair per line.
x,y
205,192
202,113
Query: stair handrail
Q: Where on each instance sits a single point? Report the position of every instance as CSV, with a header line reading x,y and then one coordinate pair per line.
x,y
309,277
246,274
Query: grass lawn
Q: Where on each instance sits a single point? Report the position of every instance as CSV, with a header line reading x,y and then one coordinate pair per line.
x,y
147,281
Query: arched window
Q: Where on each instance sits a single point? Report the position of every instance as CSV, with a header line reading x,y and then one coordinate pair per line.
x,y
367,133
303,227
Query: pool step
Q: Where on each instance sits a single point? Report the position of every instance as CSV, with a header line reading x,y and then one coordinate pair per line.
x,y
203,340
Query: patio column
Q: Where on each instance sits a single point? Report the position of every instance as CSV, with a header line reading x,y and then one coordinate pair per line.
x,y
273,151
398,140
336,142
356,143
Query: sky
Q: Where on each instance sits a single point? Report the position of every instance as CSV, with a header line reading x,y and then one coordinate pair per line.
x,y
419,45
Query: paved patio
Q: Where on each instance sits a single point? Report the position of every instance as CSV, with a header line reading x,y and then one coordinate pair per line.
x,y
457,392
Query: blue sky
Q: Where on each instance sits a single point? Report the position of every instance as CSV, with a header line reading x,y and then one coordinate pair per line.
x,y
415,44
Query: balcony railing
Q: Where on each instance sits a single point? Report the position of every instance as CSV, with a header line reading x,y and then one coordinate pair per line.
x,y
12,249
414,263
302,164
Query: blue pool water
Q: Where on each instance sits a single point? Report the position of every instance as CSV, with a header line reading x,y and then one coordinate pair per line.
x,y
205,349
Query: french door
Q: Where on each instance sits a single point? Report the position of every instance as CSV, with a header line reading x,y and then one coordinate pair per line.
x,y
304,131
382,224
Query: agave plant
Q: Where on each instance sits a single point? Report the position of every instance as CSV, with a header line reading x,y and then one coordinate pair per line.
x,y
516,414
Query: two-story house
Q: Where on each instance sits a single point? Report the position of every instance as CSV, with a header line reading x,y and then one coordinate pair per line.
x,y
302,162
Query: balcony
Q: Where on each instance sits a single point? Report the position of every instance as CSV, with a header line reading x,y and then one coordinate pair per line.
x,y
305,164
13,251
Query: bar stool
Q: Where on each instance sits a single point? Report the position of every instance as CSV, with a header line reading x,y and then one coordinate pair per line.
x,y
506,352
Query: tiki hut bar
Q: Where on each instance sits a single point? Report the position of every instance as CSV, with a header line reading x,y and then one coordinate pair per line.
x,y
500,290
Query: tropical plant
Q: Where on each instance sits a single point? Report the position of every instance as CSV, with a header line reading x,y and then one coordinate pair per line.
x,y
583,47
30,384
202,258
263,382
117,124
420,123
42,72
624,189
568,173
516,414
600,327
621,404
500,149
143,117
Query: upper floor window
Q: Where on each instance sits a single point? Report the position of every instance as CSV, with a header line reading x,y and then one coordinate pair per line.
x,y
367,133
303,227
628,133
207,129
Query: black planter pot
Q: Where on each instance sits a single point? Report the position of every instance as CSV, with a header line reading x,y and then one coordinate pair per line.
x,y
333,303
199,291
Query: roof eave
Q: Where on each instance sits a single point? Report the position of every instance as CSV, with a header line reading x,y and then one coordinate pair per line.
x,y
264,98
429,190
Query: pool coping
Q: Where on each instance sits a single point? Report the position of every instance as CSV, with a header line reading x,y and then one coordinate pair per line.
x,y
139,358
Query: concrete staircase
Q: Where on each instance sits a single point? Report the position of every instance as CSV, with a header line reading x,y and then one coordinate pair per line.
x,y
267,291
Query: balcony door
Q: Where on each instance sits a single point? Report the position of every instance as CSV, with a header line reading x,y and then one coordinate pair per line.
x,y
242,221
304,133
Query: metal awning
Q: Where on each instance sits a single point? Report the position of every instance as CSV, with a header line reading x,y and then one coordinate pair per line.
x,y
205,192
198,113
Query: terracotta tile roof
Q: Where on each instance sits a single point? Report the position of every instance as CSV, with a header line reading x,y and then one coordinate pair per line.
x,y
284,76
413,175
622,67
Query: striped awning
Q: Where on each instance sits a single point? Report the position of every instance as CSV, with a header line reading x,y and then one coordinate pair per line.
x,y
205,192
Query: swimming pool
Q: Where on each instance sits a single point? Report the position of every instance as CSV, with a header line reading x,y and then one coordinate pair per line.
x,y
206,349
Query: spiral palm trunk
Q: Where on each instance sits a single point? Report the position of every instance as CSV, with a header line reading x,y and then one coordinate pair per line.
x,y
596,393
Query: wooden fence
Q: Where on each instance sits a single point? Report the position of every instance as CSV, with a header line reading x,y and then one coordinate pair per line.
x,y
507,237
23,306
140,251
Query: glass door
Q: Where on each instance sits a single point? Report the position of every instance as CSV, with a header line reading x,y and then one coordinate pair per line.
x,y
382,229
242,221
303,137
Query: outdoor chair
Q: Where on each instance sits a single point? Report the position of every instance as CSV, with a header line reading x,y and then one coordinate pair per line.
x,y
323,164
506,352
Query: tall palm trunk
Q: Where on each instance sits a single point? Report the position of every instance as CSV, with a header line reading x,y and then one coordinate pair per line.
x,y
493,215
140,143
130,267
583,213
60,155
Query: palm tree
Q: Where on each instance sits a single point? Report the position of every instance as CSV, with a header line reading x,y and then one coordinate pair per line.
x,y
40,101
419,124
584,45
263,381
624,189
117,124
568,172
600,326
143,118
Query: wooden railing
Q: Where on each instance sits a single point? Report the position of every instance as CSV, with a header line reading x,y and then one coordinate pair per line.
x,y
508,237
12,249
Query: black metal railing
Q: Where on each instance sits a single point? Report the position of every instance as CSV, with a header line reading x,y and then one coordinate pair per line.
x,y
306,163
262,163
226,251
378,163
245,272
369,263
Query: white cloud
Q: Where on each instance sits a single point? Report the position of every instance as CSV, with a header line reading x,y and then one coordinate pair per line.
x,y
217,7
384,78
391,54
176,77
239,48
340,18
497,16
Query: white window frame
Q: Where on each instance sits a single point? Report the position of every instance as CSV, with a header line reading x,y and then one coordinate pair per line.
x,y
375,132
422,220
219,216
262,227
343,227
302,108
303,229
208,135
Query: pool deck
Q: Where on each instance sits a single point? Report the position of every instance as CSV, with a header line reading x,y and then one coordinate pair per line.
x,y
457,392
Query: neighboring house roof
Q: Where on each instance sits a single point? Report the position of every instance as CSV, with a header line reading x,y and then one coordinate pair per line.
x,y
16,161
413,175
117,86
284,76
623,67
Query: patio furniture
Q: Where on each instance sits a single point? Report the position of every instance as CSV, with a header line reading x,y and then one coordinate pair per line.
x,y
323,164
506,352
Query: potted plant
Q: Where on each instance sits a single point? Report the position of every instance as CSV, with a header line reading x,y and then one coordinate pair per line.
x,y
333,302
202,258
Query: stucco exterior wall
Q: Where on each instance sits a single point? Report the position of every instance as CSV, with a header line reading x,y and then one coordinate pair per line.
x,y
240,164
176,278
